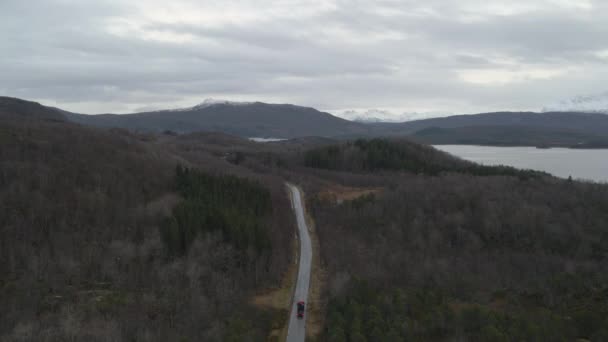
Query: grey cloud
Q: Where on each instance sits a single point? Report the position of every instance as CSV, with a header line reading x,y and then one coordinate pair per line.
x,y
399,54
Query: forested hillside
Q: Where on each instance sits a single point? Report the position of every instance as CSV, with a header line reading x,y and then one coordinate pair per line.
x,y
104,239
376,155
457,255
12,108
235,207
510,136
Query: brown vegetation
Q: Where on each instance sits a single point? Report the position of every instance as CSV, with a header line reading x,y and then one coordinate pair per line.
x,y
339,194
317,301
457,256
81,254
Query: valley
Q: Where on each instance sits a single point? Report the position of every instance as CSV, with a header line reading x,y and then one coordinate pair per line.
x,y
111,234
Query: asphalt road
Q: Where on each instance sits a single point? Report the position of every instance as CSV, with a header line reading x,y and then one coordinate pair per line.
x,y
297,327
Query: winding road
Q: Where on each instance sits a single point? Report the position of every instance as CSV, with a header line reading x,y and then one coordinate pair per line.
x,y
297,327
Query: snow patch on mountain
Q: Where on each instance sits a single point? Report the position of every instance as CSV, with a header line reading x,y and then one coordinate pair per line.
x,y
215,102
588,104
380,115
209,103
371,115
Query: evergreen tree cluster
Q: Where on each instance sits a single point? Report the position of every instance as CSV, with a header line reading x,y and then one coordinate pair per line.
x,y
236,207
368,313
370,155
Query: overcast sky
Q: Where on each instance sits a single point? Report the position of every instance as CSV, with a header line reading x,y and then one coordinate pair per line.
x,y
459,56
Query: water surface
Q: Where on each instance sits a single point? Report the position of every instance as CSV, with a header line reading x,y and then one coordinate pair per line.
x,y
561,162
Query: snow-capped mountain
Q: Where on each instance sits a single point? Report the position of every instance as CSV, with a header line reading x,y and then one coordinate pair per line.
x,y
379,115
589,104
371,115
209,103
213,102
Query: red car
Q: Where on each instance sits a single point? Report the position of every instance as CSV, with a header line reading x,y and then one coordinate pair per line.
x,y
300,309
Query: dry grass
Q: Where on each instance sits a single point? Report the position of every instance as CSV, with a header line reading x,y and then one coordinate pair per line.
x,y
317,306
338,193
280,299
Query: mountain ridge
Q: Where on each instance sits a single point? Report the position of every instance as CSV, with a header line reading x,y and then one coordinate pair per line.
x,y
15,108
287,121
255,119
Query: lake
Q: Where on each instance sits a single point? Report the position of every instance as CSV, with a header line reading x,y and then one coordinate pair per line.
x,y
265,140
561,162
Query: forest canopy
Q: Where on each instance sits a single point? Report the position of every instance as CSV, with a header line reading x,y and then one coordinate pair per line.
x,y
493,258
237,207
382,154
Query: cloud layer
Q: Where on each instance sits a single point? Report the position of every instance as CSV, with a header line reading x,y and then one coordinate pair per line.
x,y
409,55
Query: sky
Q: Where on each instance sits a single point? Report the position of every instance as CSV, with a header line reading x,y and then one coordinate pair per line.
x,y
423,56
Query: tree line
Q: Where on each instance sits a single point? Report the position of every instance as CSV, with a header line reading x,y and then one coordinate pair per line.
x,y
381,154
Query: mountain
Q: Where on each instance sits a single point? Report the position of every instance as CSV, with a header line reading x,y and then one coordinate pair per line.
x,y
590,104
255,119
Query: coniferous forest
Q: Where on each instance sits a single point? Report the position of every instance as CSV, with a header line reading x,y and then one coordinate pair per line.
x,y
237,208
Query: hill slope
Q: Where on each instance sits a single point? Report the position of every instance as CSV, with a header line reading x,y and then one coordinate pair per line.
x,y
104,240
509,136
588,123
398,155
13,108
436,249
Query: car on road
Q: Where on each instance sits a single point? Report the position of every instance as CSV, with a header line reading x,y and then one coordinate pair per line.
x,y
301,307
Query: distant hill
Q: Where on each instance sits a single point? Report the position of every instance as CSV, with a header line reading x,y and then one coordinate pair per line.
x,y
399,155
589,123
247,120
13,108
257,119
571,129
509,136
